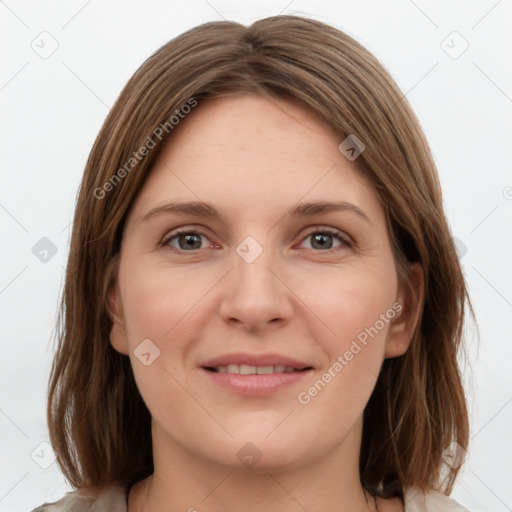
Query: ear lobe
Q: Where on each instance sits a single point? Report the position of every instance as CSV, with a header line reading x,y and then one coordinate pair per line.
x,y
402,327
118,337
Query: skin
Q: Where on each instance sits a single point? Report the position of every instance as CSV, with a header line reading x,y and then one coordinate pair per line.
x,y
254,159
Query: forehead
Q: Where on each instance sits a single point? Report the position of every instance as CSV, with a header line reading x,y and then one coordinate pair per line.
x,y
250,124
254,152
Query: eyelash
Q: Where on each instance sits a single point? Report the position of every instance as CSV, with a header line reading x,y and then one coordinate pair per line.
x,y
346,242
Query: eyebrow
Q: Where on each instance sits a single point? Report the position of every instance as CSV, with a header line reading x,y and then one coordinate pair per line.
x,y
201,209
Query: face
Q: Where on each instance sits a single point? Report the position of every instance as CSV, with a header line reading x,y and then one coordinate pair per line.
x,y
263,317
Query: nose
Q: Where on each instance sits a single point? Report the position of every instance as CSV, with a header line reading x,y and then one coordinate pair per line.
x,y
256,296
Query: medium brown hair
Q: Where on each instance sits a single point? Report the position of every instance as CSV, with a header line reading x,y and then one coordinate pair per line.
x,y
99,425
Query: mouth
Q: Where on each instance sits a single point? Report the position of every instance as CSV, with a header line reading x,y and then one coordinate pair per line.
x,y
254,374
246,369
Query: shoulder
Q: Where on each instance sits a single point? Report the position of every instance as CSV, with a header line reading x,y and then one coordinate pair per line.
x,y
430,501
113,499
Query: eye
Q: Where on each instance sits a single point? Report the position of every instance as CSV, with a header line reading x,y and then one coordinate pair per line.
x,y
185,241
322,240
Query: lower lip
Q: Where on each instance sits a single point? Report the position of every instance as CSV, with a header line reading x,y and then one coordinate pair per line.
x,y
256,385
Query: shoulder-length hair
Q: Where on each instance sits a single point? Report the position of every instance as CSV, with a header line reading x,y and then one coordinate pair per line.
x,y
99,425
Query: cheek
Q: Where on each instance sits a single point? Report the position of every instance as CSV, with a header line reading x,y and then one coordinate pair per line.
x,y
161,305
350,300
353,357
356,305
159,302
166,306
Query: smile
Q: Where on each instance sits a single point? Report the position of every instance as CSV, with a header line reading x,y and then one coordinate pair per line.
x,y
246,369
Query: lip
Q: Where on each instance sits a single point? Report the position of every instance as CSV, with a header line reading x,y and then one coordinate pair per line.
x,y
269,359
256,384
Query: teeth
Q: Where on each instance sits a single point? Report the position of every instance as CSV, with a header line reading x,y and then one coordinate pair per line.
x,y
245,369
260,370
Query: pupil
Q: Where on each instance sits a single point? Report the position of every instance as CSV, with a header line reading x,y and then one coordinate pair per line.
x,y
189,241
322,239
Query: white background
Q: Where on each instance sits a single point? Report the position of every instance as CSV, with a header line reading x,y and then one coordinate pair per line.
x,y
52,110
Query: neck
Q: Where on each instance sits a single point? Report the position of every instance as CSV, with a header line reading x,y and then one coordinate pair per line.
x,y
182,481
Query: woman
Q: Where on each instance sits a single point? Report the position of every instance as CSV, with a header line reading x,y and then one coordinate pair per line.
x,y
263,304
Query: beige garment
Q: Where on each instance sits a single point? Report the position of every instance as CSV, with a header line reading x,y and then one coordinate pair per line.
x,y
114,499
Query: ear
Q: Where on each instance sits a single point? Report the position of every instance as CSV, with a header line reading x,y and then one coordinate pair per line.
x,y
402,327
118,336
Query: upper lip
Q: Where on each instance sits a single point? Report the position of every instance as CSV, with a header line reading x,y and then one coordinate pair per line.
x,y
254,360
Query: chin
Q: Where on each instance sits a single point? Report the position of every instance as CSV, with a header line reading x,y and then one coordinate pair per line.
x,y
261,449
